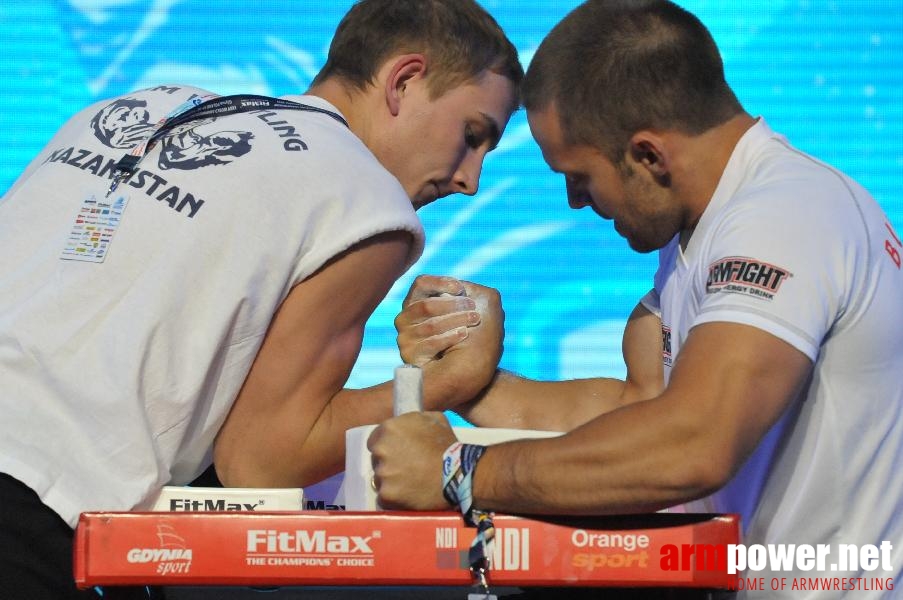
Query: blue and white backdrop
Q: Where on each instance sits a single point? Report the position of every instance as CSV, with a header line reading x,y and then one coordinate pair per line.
x,y
827,73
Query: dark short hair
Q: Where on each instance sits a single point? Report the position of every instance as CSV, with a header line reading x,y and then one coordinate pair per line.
x,y
615,67
460,39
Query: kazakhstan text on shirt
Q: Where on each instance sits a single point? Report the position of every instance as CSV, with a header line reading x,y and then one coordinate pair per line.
x,y
103,166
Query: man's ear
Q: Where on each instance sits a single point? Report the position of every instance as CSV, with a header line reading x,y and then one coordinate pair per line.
x,y
651,152
404,69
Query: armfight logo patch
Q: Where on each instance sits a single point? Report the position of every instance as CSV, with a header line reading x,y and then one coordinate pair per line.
x,y
743,275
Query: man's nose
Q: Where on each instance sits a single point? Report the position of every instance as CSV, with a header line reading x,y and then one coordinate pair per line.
x,y
466,179
577,197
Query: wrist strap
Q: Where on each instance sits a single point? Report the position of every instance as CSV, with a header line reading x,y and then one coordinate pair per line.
x,y
458,465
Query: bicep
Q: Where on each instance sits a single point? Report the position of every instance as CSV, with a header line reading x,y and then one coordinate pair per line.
x,y
736,380
642,350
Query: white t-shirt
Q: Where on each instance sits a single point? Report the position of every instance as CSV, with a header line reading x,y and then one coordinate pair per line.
x,y
795,248
118,374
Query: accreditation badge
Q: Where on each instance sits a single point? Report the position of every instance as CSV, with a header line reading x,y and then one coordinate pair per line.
x,y
95,224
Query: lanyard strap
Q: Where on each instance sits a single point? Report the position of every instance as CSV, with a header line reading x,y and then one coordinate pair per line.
x,y
458,465
230,105
220,106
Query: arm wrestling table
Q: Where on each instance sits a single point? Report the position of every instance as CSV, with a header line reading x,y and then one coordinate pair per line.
x,y
368,549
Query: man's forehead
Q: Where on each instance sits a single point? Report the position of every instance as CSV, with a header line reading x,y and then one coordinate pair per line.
x,y
494,98
548,132
545,126
490,83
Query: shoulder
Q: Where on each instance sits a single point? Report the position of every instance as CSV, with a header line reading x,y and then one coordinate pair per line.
x,y
164,97
783,181
321,153
788,195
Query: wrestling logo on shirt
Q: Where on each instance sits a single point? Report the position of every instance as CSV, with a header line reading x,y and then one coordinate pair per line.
x,y
748,276
126,122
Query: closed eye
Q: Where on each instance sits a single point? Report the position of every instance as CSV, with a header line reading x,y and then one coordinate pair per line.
x,y
471,138
484,130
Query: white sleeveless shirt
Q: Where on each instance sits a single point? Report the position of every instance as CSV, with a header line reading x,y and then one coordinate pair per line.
x,y
116,375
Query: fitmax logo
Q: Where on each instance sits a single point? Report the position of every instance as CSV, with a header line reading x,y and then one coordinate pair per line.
x,y
185,504
309,542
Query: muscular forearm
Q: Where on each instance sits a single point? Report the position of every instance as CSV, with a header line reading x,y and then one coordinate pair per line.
x,y
323,452
642,457
516,402
721,401
295,452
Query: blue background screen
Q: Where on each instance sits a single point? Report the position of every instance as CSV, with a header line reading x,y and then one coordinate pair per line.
x,y
828,74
